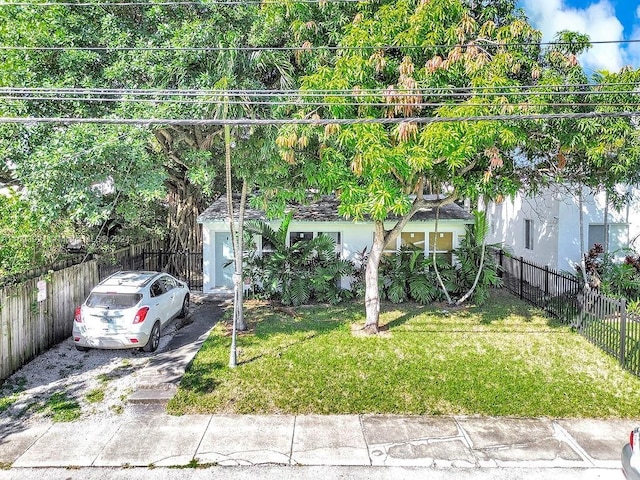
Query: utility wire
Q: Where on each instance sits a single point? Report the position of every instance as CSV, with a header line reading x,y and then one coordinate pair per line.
x,y
437,92
170,4
318,104
309,121
478,43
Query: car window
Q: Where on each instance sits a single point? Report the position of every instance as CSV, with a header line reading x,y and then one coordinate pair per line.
x,y
113,300
157,288
169,283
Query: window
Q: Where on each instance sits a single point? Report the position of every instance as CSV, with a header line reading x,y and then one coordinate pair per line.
x,y
169,283
295,237
157,288
267,247
413,240
337,238
442,242
618,235
390,248
528,234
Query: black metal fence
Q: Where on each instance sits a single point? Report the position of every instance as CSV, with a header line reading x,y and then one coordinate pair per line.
x,y
602,320
186,266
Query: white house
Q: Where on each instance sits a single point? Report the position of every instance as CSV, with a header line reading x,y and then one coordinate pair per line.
x,y
322,217
547,228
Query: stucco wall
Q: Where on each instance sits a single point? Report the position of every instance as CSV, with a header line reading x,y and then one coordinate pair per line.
x,y
356,236
507,225
556,217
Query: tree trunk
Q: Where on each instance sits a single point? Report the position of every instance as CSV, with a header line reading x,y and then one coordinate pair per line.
x,y
236,239
372,291
435,259
381,238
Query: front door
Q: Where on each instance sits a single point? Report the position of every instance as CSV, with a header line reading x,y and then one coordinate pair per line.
x,y
223,261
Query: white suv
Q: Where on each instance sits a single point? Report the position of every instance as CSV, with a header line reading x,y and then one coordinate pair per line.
x,y
129,310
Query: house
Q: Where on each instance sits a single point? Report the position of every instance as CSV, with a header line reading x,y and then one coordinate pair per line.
x,y
322,216
548,229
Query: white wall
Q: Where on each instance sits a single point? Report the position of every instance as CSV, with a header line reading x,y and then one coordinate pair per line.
x,y
356,236
556,217
507,225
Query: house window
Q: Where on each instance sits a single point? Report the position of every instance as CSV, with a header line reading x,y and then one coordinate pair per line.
x,y
442,243
528,234
295,237
390,248
414,240
337,238
618,235
267,247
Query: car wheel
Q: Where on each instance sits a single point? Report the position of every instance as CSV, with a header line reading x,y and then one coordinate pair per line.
x,y
82,349
154,339
185,307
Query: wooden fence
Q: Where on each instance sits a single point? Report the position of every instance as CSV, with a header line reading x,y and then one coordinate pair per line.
x,y
29,326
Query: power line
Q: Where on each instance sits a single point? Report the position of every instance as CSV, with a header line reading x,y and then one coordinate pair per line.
x,y
414,104
301,48
544,89
169,4
308,121
380,98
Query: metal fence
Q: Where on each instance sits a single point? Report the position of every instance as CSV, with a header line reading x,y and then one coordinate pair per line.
x,y
186,266
604,321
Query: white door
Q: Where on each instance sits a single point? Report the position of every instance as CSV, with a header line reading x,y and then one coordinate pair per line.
x,y
223,260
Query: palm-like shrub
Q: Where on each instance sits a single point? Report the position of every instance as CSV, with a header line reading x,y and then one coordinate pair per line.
x,y
409,275
476,269
296,274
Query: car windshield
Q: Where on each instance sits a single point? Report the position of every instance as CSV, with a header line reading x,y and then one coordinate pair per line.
x,y
113,300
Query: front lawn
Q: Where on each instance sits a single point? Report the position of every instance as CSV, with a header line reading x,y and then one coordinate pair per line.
x,y
503,359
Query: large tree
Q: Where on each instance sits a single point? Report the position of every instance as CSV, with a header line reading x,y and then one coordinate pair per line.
x,y
140,50
434,59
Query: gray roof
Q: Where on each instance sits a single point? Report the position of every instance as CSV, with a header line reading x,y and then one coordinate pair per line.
x,y
325,209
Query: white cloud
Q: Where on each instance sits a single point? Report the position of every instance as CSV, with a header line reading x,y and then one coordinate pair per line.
x,y
633,51
598,21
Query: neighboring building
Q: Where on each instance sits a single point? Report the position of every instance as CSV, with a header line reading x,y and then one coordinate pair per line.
x,y
545,228
322,216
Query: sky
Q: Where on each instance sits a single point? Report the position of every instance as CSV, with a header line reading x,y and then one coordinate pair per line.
x,y
602,20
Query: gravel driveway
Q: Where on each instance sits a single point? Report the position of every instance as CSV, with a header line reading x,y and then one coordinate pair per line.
x,y
65,384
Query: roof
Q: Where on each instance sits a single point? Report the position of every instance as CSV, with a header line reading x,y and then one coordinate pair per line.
x,y
325,209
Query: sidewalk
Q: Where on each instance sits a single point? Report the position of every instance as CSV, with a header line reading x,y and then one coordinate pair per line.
x,y
161,440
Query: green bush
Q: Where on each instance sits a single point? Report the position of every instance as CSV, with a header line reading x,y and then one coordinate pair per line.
x,y
299,273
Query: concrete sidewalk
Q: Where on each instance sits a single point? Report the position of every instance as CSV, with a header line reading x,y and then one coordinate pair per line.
x,y
161,440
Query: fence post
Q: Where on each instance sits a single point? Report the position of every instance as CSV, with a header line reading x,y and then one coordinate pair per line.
x,y
501,255
546,280
623,331
521,278
187,273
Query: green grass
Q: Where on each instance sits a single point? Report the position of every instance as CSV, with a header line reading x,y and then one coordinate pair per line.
x,y
503,359
10,392
7,401
95,396
61,408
